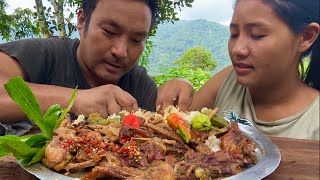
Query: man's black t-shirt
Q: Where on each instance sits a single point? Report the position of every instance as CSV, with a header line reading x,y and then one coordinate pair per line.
x,y
53,61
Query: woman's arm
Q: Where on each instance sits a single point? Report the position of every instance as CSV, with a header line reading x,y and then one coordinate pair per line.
x,y
206,95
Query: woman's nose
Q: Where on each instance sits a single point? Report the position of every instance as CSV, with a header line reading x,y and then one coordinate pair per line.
x,y
120,48
240,47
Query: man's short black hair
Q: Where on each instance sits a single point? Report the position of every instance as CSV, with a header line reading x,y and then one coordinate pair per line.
x,y
88,7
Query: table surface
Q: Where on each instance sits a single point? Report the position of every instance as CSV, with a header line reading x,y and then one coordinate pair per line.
x,y
299,160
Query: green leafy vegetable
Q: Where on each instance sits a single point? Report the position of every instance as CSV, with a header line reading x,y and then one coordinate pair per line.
x,y
31,148
20,93
71,101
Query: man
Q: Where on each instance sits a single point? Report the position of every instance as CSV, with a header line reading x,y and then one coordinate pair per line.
x,y
102,64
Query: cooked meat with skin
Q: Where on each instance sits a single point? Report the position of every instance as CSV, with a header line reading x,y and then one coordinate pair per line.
x,y
212,165
143,148
163,132
238,146
56,155
157,170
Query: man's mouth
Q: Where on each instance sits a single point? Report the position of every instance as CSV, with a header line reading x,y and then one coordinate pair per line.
x,y
112,68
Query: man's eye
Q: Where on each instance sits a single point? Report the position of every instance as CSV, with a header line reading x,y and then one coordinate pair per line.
x,y
233,36
138,41
257,37
109,33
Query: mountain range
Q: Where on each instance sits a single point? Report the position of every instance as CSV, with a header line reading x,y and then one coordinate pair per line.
x,y
173,39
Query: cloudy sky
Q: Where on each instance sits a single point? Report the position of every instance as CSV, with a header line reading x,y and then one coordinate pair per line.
x,y
213,10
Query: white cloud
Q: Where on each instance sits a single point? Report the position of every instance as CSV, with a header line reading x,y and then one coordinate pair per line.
x,y
212,10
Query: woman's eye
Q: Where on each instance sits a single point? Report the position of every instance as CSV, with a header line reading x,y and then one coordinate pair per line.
x,y
257,37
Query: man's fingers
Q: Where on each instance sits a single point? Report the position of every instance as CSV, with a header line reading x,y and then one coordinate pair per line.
x,y
126,101
113,106
185,99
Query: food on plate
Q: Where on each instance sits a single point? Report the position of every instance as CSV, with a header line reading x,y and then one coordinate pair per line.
x,y
147,145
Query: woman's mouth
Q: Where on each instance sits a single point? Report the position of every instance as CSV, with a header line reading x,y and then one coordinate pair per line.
x,y
243,69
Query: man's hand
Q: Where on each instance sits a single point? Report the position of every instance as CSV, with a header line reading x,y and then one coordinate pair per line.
x,y
105,100
175,92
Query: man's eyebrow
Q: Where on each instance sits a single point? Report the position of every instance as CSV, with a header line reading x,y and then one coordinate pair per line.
x,y
111,23
118,26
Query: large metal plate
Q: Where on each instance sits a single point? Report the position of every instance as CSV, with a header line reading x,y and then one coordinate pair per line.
x,y
268,155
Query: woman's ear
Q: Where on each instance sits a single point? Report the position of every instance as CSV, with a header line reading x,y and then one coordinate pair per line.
x,y
309,36
81,22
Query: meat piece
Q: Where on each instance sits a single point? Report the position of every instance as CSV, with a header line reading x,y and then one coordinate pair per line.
x,y
56,153
238,146
164,132
213,165
110,159
111,131
79,166
157,170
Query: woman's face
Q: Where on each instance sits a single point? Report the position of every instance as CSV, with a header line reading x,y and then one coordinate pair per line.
x,y
262,48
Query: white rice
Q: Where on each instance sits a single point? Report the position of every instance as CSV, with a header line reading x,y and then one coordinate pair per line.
x,y
213,143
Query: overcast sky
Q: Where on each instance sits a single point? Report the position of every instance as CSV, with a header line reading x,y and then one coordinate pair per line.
x,y
212,10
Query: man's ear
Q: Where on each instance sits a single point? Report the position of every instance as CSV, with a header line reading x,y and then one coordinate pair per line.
x,y
309,36
81,22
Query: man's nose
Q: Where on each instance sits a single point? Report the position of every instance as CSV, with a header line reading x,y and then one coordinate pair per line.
x,y
120,48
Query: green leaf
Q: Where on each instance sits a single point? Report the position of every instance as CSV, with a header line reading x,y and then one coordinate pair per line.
x,y
20,92
20,150
4,152
36,141
39,156
65,111
50,118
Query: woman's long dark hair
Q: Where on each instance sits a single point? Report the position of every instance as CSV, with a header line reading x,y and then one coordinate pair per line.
x,y
298,14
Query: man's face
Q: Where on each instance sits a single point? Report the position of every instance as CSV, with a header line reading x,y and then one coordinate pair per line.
x,y
114,40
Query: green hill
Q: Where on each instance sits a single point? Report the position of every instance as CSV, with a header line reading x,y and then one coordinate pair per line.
x,y
172,40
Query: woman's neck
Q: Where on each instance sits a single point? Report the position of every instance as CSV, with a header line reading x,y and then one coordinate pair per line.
x,y
281,100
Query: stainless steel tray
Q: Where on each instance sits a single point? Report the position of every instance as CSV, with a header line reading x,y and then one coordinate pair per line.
x,y
268,160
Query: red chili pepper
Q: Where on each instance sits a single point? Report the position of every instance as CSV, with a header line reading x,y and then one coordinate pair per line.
x,y
177,123
132,120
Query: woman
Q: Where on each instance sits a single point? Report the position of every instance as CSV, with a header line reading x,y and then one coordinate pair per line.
x,y
268,40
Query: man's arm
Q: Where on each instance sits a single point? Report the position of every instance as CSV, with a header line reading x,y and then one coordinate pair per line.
x,y
106,100
46,94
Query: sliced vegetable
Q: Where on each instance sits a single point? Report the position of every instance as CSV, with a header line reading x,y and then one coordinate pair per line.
x,y
219,121
201,122
132,120
177,123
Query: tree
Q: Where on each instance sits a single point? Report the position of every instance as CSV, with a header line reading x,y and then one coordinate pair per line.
x,y
197,57
44,21
194,65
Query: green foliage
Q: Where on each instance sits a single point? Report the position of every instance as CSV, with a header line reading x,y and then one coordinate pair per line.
x,y
196,76
30,149
172,40
197,57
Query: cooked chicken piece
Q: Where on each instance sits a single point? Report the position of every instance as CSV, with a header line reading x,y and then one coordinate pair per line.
x,y
157,170
164,132
111,131
238,146
79,166
56,154
110,159
206,166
